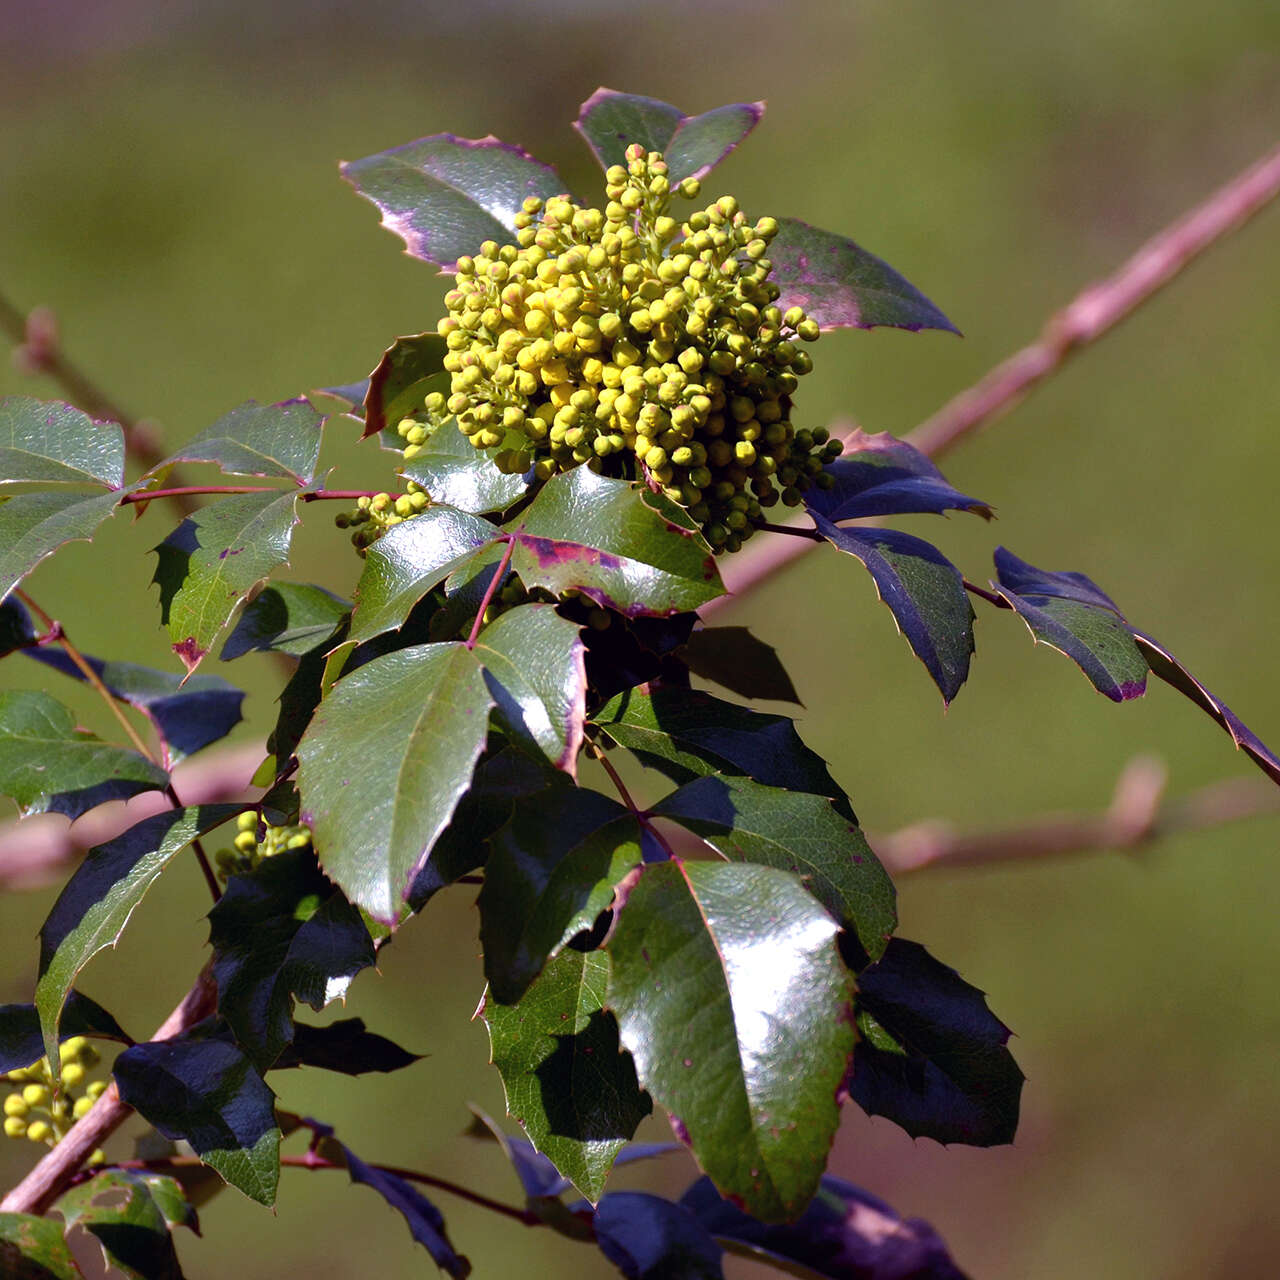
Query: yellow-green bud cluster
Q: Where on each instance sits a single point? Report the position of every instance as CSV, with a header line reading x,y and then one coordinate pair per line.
x,y
415,432
637,344
250,847
43,1109
376,513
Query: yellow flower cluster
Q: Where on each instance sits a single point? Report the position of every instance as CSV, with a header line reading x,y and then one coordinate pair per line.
x,y
375,514
41,1112
639,345
249,850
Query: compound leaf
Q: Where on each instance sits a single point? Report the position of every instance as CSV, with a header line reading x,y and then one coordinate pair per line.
x,y
35,525
96,903
33,1248
842,286
444,196
596,535
453,471
384,762
205,1091
568,1084
732,998
691,145
734,658
47,442
409,368
285,617
649,1238
49,766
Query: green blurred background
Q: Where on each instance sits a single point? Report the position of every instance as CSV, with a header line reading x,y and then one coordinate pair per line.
x,y
170,188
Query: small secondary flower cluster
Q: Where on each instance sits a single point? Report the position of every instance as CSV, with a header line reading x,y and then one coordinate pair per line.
x,y
45,1108
250,850
375,514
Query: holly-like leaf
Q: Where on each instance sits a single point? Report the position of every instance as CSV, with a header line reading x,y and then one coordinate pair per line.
x,y
383,764
285,617
276,440
686,734
691,145
33,1248
426,1222
186,715
300,697
47,442
844,1234
17,630
215,558
409,368
878,475
21,1043
35,525
279,933
535,669
925,593
649,1238
1068,612
49,766
567,1082
344,1046
444,196
595,535
796,832
453,471
842,286
551,871
204,1090
408,561
96,903
123,1210
932,1057
732,998
734,658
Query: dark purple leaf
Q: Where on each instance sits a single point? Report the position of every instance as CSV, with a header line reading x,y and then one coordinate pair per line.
x,y
649,1238
21,1043
16,628
734,658
844,1234
842,286
344,1046
924,592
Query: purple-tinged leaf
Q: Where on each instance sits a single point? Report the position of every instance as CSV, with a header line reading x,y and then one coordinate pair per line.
x,y
1071,614
348,396
535,670
48,442
453,471
277,440
924,592
691,145
186,715
845,1234
444,196
1171,671
34,1248
842,286
539,1178
597,536
21,1043
425,1221
17,631
286,617
649,1238
35,525
732,998
932,1058
734,658
410,367
878,475
344,1046
48,765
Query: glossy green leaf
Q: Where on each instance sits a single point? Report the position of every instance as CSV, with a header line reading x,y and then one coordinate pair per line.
x,y
692,145
383,764
568,1084
408,561
444,196
453,471
205,1091
732,998
96,903
49,766
595,535
35,525
842,286
283,931
127,1211
804,834
285,617
21,1043
344,1046
535,668
213,559
409,368
33,1248
277,440
47,442
551,871
741,662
